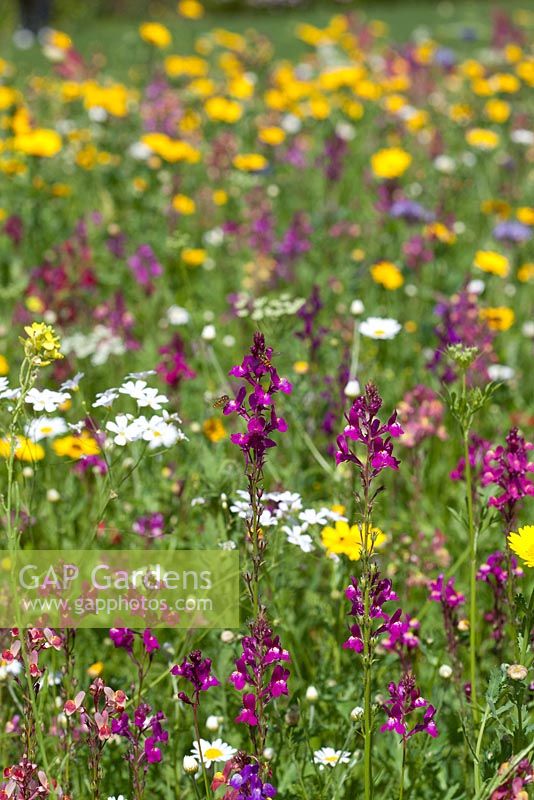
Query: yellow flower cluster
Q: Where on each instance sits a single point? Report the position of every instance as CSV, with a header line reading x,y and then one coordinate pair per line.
x,y
345,539
42,345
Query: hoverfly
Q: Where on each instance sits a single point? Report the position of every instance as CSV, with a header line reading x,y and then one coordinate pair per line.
x,y
221,401
265,360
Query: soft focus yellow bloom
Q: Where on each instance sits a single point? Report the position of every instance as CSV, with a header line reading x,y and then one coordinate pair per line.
x,y
8,97
25,450
301,367
250,162
43,142
497,110
387,275
525,272
76,446
213,429
190,9
525,214
522,544
391,162
193,256
482,138
156,34
272,136
42,345
220,197
184,205
499,207
490,261
4,365
345,539
439,231
221,109
190,66
95,669
171,150
500,318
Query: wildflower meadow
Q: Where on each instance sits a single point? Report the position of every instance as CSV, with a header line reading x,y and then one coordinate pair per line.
x,y
266,421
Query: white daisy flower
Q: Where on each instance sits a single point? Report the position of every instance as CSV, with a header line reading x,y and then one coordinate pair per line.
x,y
312,517
125,429
380,328
213,751
158,432
328,757
72,384
4,385
45,428
46,399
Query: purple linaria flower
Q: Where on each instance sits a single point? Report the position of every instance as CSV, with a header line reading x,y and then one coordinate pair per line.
x,y
260,667
445,593
122,638
380,593
405,698
257,409
145,266
508,468
365,427
249,785
197,671
495,573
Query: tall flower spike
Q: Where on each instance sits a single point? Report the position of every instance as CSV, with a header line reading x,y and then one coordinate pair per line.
x,y
197,671
365,427
404,699
255,404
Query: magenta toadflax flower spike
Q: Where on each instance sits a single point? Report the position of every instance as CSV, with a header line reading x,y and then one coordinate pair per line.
x,y
445,593
365,427
404,699
380,592
508,468
254,403
197,671
260,668
494,572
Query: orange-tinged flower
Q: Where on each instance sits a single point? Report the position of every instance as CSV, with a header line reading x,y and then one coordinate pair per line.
x,y
214,430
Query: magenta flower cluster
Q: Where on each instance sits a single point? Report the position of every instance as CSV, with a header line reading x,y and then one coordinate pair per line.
x,y
508,467
197,671
254,401
364,426
404,699
260,668
380,592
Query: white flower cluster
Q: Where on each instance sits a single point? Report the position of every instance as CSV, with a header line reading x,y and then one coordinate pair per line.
x,y
258,308
157,431
99,344
285,509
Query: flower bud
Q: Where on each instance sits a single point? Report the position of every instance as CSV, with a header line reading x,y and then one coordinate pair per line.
x,y
517,672
357,308
356,713
445,671
312,695
53,496
190,765
212,723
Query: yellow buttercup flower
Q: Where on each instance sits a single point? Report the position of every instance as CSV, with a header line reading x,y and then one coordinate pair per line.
x,y
490,261
190,9
482,138
214,430
193,256
42,345
43,142
155,34
345,539
522,544
500,318
95,669
4,365
184,205
387,275
250,162
390,163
